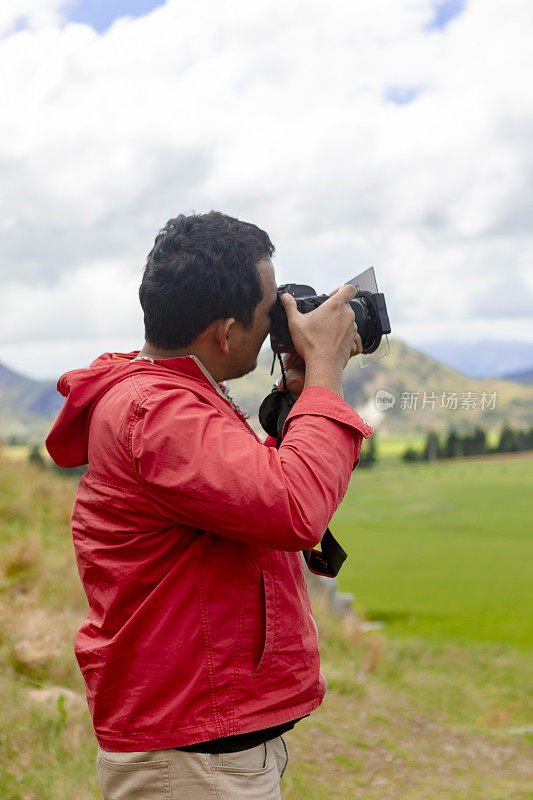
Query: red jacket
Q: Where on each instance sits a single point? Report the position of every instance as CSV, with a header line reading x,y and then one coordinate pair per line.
x,y
188,531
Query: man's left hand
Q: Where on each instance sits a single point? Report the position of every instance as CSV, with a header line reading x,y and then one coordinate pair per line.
x,y
294,367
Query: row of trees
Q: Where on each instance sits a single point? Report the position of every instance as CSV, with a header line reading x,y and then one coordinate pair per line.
x,y
473,443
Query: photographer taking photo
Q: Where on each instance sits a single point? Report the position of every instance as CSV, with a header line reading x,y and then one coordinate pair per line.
x,y
200,649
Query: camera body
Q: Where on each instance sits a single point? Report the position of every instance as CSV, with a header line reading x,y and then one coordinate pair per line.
x,y
369,308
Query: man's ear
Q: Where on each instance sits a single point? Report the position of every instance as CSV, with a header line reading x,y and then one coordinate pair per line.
x,y
222,333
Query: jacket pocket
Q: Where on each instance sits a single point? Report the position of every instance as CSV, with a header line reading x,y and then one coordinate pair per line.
x,y
269,597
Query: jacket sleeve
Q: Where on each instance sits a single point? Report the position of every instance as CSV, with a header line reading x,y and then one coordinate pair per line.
x,y
204,470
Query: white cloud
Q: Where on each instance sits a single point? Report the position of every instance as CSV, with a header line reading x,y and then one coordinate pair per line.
x,y
277,113
98,299
35,14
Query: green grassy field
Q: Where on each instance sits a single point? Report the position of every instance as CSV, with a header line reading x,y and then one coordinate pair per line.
x,y
392,446
444,549
422,709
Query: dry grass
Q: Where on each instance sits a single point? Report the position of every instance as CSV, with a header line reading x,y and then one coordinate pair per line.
x,y
373,744
22,558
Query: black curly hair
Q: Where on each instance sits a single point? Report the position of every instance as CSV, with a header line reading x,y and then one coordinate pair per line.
x,y
201,268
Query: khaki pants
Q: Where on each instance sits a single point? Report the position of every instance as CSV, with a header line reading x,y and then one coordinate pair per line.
x,y
253,774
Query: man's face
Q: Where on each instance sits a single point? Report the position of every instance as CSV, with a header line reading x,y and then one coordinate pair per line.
x,y
245,343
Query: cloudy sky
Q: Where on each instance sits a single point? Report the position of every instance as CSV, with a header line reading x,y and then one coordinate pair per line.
x,y
395,133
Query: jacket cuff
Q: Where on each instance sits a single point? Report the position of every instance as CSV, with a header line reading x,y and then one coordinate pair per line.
x,y
323,402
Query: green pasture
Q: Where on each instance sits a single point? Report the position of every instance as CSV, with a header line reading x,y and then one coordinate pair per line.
x,y
392,446
443,550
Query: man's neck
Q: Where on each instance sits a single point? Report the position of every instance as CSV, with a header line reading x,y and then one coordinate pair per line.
x,y
161,353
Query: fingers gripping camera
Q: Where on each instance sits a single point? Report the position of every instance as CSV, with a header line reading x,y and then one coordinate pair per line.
x,y
369,308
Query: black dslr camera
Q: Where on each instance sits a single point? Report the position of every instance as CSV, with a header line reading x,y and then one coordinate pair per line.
x,y
369,308
373,326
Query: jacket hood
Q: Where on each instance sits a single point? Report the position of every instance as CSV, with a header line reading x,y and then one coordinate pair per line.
x,y
68,439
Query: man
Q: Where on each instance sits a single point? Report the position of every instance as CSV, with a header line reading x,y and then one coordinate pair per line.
x,y
200,649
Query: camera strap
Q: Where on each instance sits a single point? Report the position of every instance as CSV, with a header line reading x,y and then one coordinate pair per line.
x,y
273,414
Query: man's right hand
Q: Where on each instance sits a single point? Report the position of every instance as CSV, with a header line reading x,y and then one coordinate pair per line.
x,y
325,338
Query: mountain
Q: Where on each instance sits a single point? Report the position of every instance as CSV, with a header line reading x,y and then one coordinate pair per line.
x,y
389,394
524,376
26,406
405,375
482,358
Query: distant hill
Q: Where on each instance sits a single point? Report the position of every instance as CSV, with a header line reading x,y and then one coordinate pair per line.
x,y
523,376
402,374
27,407
482,358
